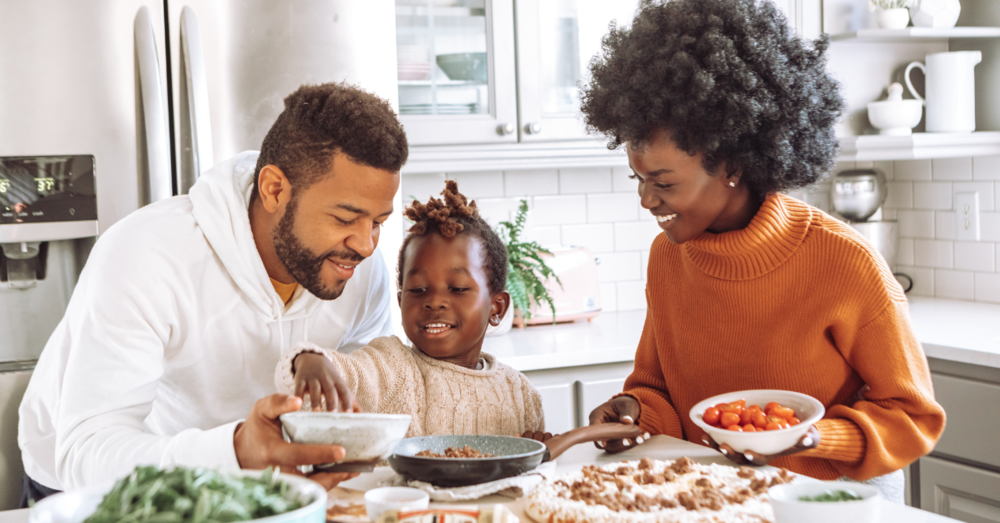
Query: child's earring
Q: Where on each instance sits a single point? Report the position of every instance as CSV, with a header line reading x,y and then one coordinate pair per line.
x,y
732,184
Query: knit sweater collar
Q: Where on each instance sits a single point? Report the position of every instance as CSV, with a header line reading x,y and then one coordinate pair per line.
x,y
769,240
489,364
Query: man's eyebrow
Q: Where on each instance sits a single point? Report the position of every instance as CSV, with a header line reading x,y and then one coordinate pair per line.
x,y
357,210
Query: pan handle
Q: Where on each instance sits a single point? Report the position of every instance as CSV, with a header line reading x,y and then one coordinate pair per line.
x,y
600,432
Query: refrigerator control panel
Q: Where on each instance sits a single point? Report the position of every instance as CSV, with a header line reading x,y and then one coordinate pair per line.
x,y
45,189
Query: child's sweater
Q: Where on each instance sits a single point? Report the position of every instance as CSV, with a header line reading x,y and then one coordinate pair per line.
x,y
443,398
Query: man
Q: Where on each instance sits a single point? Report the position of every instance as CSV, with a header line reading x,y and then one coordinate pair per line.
x,y
185,306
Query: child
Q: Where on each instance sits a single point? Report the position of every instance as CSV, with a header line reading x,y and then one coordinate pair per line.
x,y
452,274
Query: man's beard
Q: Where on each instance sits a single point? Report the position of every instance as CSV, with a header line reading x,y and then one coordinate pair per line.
x,y
302,263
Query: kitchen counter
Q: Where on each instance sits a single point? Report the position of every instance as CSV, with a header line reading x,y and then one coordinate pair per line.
x,y
953,330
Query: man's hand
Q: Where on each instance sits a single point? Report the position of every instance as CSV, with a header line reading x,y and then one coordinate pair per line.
x,y
259,444
809,440
623,409
317,377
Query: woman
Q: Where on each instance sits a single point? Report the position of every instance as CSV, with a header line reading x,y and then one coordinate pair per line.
x,y
720,106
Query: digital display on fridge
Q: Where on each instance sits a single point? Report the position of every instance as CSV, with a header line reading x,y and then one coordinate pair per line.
x,y
38,189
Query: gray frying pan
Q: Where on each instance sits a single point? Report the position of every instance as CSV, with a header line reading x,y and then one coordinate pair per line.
x,y
512,455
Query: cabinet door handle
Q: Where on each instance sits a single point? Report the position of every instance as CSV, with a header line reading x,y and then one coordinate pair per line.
x,y
504,129
533,128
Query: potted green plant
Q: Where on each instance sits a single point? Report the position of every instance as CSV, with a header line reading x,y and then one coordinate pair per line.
x,y
526,269
891,14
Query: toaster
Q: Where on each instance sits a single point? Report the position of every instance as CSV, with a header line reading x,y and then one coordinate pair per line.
x,y
578,297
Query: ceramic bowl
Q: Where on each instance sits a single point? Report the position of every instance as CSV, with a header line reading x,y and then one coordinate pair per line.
x,y
895,118
366,437
464,66
789,509
809,411
379,500
76,506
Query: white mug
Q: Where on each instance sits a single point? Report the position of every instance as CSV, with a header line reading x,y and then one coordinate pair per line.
x,y
950,86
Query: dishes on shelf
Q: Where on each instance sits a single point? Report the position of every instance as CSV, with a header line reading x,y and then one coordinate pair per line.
x,y
950,85
413,62
895,116
464,66
439,109
935,13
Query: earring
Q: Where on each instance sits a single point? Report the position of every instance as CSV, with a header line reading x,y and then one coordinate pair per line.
x,y
732,184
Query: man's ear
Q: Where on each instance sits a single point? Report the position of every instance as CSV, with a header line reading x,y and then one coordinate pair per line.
x,y
498,307
399,298
273,188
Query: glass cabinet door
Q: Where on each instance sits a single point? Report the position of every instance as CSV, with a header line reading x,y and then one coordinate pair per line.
x,y
556,40
455,70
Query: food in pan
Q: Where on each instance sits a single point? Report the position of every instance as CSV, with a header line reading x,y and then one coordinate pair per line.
x,y
454,452
736,416
649,491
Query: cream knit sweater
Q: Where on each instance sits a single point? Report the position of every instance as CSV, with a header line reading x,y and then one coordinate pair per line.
x,y
443,398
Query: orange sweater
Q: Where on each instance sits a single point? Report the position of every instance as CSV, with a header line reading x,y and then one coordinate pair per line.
x,y
796,301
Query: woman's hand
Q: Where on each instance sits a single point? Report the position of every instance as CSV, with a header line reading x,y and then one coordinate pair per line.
x,y
316,376
537,435
809,440
623,409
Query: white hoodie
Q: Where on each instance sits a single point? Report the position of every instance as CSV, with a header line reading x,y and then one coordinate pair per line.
x,y
173,332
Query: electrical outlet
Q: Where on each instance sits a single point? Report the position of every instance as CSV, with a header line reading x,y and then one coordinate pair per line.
x,y
967,215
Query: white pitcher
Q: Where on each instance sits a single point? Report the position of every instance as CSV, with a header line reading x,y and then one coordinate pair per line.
x,y
950,85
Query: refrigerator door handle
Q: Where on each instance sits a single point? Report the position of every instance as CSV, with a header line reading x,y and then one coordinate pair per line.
x,y
197,145
154,158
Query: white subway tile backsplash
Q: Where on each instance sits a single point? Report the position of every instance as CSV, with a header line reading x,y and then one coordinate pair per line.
x,y
612,207
609,297
423,186
944,225
643,264
531,182
923,279
559,210
986,168
988,287
479,184
974,256
985,190
618,266
989,226
886,166
952,169
913,170
899,195
598,237
546,236
584,180
631,295
938,254
916,224
904,256
496,210
634,236
932,195
955,285
620,180
889,214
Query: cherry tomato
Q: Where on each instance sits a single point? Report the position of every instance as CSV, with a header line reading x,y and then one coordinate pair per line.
x,y
720,405
734,407
729,419
782,422
792,421
755,408
749,428
770,406
783,412
746,417
741,402
735,428
772,425
711,416
759,420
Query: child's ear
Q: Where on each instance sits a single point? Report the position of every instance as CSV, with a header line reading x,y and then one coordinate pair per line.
x,y
498,307
399,298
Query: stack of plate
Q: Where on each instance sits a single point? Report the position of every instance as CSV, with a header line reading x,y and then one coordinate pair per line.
x,y
413,62
444,109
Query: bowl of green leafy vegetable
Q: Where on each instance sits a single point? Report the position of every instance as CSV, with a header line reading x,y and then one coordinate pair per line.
x,y
825,502
151,495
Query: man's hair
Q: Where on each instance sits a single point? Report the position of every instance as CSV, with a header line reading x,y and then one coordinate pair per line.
x,y
456,215
320,120
726,78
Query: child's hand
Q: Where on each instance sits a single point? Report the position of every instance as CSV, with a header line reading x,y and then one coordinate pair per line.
x,y
317,377
537,435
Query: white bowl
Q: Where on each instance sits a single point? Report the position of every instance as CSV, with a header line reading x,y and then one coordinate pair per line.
x,y
78,505
808,409
379,500
895,118
366,436
788,508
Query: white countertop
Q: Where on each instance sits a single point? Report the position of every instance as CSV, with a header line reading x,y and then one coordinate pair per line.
x,y
963,331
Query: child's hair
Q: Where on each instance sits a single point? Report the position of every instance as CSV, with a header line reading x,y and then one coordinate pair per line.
x,y
452,216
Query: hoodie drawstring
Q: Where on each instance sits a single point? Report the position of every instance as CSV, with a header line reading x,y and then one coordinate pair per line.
x,y
281,330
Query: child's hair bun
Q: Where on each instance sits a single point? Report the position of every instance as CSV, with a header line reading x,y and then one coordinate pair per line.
x,y
441,214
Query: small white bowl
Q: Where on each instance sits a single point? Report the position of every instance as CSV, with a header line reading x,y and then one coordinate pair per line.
x,y
808,409
365,436
789,509
379,500
895,118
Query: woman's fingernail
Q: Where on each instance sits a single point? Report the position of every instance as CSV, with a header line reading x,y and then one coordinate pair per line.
x,y
639,439
807,442
628,419
600,444
723,451
646,435
748,456
625,442
704,440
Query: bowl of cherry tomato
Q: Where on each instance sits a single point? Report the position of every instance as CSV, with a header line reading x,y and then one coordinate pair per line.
x,y
762,421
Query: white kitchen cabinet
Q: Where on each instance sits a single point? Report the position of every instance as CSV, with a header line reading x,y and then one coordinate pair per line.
x,y
959,491
558,403
593,393
570,393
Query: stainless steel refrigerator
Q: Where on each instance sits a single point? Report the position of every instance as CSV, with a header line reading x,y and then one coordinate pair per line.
x,y
107,105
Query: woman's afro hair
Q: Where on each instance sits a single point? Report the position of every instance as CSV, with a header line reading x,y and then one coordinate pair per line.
x,y
456,215
726,78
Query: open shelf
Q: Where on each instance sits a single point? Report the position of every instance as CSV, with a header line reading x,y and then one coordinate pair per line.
x,y
919,146
916,34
